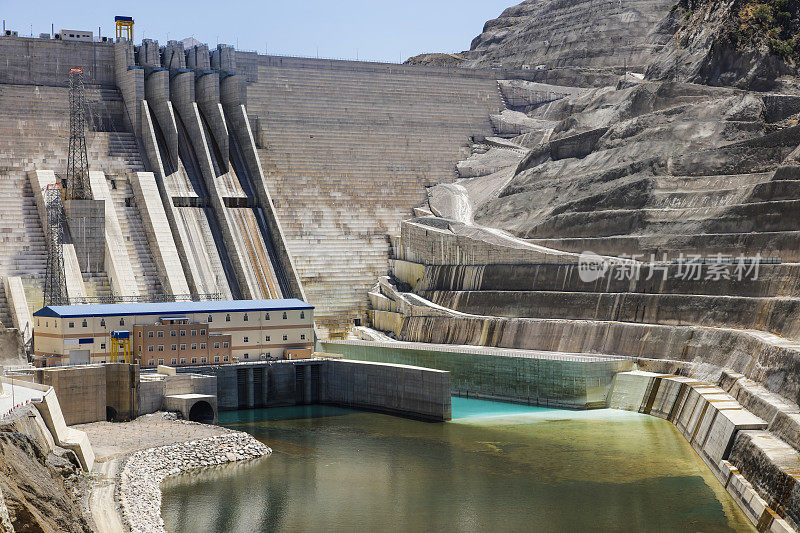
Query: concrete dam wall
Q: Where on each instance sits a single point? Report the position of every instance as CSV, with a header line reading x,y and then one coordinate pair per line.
x,y
347,150
577,381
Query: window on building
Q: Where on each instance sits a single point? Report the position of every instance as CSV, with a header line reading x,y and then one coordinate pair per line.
x,y
160,347
227,318
302,336
102,346
286,337
266,339
160,361
121,321
174,361
302,314
160,334
173,333
247,356
247,339
225,358
216,359
284,315
216,345
202,346
103,322
266,316
183,360
193,333
194,360
210,318
71,324
225,344
246,318
183,333
183,346
174,347
202,332
202,359
37,322
149,334
150,348
140,334
84,323
194,346
150,362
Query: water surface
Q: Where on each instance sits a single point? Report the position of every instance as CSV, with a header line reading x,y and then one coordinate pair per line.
x,y
495,467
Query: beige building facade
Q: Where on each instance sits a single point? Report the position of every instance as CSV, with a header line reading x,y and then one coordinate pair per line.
x,y
175,333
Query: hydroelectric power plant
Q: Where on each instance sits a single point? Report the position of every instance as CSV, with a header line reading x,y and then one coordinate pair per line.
x,y
549,283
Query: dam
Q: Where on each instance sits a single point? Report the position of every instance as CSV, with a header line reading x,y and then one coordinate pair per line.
x,y
545,281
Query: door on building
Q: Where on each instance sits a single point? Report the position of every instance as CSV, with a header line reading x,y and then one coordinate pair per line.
x,y
79,357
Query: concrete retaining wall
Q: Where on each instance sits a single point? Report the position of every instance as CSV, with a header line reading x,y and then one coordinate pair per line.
x,y
86,391
301,382
399,389
755,468
540,378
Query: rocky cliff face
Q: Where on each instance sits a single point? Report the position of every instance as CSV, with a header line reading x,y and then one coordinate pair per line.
x,y
572,33
41,491
745,44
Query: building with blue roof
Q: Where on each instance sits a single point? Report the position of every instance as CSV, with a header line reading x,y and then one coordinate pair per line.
x,y
175,333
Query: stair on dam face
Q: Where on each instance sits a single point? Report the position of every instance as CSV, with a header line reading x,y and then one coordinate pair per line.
x,y
21,236
97,286
36,132
347,155
136,243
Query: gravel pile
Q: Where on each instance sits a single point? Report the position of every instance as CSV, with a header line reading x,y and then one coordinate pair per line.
x,y
138,489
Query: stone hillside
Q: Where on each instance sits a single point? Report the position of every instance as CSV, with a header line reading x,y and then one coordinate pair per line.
x,y
569,33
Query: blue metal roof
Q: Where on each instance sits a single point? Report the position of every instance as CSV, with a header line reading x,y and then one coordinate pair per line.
x,y
166,308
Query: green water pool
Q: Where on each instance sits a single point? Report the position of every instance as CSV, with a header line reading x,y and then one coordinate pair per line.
x,y
495,467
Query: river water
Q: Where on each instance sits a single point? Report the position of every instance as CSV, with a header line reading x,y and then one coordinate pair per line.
x,y
495,467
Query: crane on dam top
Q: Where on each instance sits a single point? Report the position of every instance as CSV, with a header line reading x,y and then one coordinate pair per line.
x,y
124,28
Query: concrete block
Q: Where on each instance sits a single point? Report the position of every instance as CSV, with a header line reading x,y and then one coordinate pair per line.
x,y
117,263
18,306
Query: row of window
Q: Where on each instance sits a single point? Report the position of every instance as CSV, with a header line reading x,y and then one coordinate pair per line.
x,y
246,318
174,347
202,344
174,360
285,337
174,333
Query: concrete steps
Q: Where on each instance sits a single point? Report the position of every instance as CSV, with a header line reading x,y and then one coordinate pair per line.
x,y
347,155
147,279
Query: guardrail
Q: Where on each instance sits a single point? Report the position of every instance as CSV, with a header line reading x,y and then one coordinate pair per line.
x,y
112,299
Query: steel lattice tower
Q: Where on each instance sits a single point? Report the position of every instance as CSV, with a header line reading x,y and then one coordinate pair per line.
x,y
77,161
55,283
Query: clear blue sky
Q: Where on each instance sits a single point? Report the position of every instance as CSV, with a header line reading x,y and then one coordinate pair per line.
x,y
379,30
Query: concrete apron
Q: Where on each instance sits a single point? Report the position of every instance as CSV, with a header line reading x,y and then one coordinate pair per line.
x,y
710,419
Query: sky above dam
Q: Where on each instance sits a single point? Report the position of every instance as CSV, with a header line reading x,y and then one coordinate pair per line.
x,y
348,29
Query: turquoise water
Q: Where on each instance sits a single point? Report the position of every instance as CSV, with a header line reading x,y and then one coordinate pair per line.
x,y
501,467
